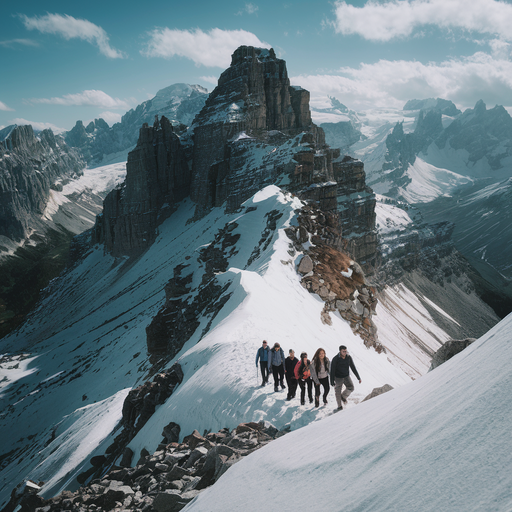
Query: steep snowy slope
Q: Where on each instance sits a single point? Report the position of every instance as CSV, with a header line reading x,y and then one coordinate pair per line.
x,y
439,443
66,372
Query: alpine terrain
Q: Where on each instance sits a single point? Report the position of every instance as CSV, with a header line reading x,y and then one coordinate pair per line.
x,y
132,384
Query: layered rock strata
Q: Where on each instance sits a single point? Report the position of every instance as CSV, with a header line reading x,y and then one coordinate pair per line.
x,y
30,167
157,177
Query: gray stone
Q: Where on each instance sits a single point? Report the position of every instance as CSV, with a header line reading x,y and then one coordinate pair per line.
x,y
177,473
305,265
448,350
199,452
357,308
378,391
172,500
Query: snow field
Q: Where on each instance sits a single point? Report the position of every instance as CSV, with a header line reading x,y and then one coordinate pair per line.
x,y
439,443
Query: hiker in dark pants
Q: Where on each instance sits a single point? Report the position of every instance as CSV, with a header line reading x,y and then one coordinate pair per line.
x,y
289,371
303,376
341,365
276,362
262,356
320,375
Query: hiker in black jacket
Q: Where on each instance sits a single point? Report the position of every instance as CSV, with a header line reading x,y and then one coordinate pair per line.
x,y
289,372
341,365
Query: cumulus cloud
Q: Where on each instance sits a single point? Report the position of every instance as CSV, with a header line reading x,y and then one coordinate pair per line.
x,y
212,49
110,117
72,28
3,106
391,83
37,126
10,43
89,98
399,18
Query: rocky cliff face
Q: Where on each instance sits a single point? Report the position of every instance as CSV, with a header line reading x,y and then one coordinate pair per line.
x,y
179,103
29,167
254,130
253,96
157,176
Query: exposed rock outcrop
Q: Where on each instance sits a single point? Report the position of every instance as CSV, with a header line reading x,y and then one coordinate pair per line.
x,y
253,96
30,167
157,177
138,407
332,274
448,350
378,391
182,312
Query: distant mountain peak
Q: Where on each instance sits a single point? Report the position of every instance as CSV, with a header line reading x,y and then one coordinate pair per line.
x,y
446,107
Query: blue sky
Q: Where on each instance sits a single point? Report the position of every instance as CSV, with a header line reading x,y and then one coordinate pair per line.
x,y
65,61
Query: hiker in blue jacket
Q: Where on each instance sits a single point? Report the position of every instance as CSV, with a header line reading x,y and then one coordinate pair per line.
x,y
262,355
276,362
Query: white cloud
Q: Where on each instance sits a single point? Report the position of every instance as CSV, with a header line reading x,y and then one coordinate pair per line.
x,y
110,117
70,28
3,106
212,49
500,49
391,83
37,126
399,18
89,98
210,79
12,42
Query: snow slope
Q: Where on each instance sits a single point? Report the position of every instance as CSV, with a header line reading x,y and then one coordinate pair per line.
x,y
85,346
428,182
439,443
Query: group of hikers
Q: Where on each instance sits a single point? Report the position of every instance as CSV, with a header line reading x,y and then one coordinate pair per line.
x,y
304,373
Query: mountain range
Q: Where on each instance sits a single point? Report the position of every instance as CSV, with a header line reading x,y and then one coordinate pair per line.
x,y
240,224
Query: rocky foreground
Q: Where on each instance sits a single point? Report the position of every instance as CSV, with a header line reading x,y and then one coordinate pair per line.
x,y
165,481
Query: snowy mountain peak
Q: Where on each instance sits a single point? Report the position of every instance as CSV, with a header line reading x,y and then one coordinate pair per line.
x,y
446,107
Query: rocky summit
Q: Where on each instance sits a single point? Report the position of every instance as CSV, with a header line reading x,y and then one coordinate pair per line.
x,y
254,130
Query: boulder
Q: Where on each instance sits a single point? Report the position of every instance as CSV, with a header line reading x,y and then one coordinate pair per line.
x,y
171,432
194,439
305,265
378,391
448,350
173,500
